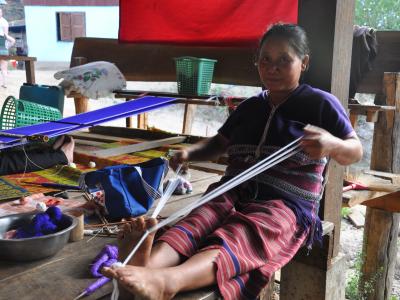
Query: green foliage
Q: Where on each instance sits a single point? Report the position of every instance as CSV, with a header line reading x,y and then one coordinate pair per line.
x,y
345,212
394,297
354,290
379,14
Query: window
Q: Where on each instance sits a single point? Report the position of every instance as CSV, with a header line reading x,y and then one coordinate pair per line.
x,y
70,25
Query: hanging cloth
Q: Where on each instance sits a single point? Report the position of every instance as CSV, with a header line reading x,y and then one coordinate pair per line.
x,y
207,22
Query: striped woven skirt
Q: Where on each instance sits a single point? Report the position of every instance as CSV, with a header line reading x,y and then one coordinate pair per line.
x,y
254,239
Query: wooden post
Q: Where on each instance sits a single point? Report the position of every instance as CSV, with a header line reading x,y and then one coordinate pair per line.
x,y
331,35
268,292
381,227
353,119
81,102
129,120
381,230
142,120
188,116
30,71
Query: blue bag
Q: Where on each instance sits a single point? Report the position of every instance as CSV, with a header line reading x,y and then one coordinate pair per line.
x,y
129,190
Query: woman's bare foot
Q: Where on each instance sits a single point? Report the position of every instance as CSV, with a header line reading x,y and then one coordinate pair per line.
x,y
144,283
68,148
130,235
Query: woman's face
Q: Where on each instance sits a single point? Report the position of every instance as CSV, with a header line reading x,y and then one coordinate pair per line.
x,y
279,66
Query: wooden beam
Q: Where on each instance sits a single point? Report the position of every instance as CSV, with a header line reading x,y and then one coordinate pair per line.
x,y
124,133
137,147
394,178
103,138
389,202
209,167
152,62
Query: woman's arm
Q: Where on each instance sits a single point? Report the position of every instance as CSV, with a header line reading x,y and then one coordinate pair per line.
x,y
318,142
207,149
8,37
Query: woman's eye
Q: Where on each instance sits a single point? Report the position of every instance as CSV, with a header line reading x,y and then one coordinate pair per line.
x,y
284,60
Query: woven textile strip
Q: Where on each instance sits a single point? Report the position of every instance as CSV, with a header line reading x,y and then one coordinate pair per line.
x,y
206,22
84,120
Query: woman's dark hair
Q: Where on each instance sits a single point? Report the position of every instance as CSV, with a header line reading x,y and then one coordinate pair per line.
x,y
294,34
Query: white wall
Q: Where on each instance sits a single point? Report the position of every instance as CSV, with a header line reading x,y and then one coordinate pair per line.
x,y
41,29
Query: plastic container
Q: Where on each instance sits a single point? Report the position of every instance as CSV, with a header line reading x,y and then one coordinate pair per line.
x,y
43,94
194,75
17,113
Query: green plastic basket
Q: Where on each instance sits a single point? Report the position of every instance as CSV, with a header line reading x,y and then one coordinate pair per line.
x,y
17,113
194,75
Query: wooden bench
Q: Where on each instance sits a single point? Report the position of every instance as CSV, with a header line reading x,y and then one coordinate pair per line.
x,y
330,33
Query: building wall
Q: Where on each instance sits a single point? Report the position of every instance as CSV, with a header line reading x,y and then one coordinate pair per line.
x,y
41,29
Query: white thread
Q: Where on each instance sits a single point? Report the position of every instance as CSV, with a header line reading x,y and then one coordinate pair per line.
x,y
115,292
31,161
172,184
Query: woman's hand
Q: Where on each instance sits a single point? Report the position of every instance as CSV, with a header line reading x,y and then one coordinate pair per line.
x,y
180,157
318,143
10,40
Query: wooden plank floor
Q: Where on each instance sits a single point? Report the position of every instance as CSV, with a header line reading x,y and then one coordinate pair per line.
x,y
66,274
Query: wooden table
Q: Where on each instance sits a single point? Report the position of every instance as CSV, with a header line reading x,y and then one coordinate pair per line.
x,y
29,65
63,276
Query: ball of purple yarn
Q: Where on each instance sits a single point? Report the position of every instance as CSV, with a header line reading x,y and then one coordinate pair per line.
x,y
44,223
107,256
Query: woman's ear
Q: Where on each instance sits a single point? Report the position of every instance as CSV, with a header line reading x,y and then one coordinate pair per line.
x,y
304,63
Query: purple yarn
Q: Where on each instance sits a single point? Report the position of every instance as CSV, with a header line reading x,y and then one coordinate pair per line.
x,y
44,223
64,222
54,213
97,284
41,223
105,258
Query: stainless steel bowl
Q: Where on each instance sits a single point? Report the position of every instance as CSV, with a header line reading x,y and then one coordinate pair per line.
x,y
31,248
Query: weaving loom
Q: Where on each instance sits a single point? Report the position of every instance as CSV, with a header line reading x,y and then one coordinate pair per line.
x,y
44,131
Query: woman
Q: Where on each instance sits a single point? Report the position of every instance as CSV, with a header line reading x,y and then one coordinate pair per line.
x,y
238,240
6,41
